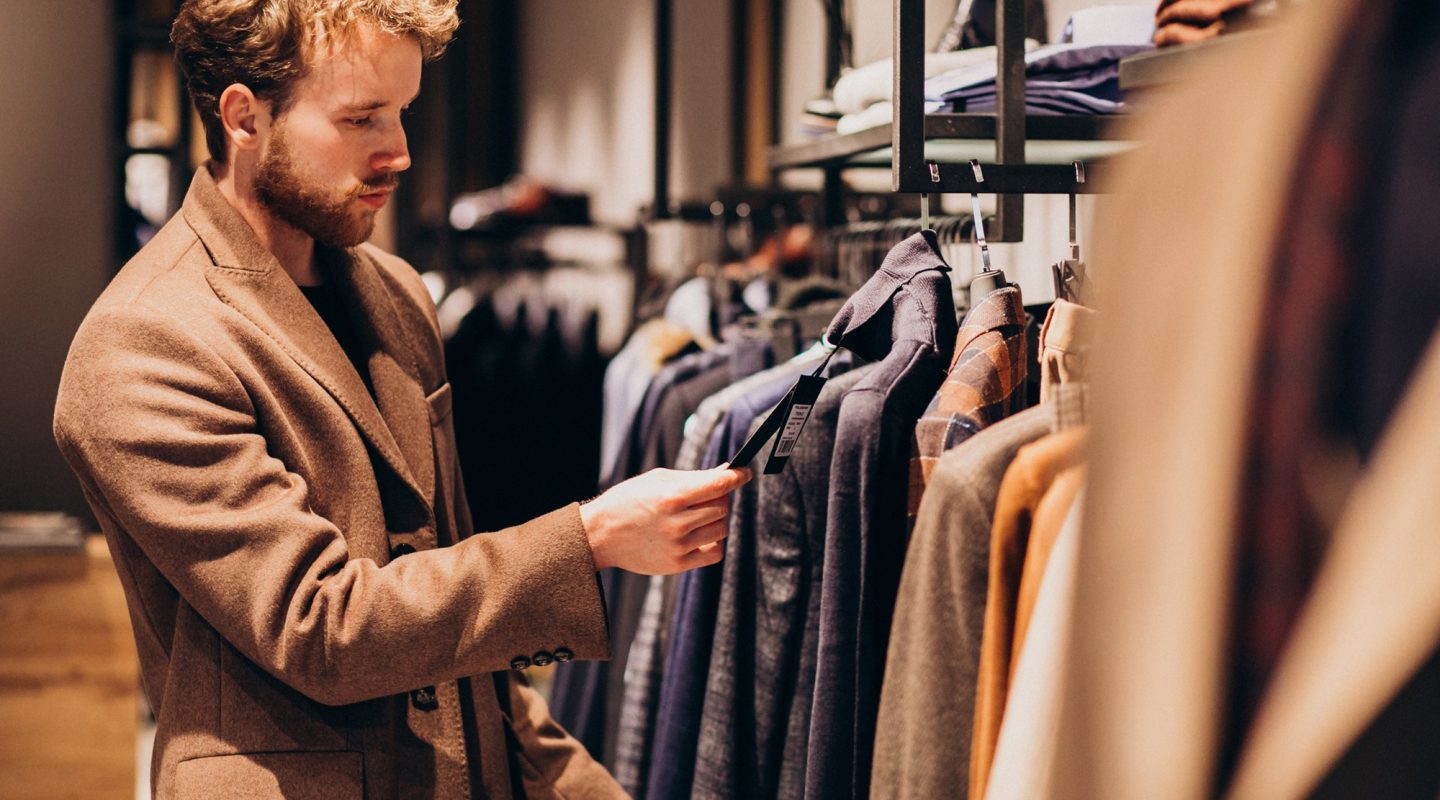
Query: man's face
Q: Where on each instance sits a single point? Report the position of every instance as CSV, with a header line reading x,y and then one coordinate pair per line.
x,y
334,155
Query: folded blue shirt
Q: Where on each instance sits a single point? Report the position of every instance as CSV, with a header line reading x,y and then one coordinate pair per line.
x,y
1059,79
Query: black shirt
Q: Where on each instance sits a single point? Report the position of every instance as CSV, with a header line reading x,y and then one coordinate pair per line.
x,y
329,302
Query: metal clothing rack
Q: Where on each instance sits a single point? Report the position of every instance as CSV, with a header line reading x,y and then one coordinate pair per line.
x,y
917,155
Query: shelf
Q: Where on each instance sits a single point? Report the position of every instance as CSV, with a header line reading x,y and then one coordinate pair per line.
x,y
963,151
959,138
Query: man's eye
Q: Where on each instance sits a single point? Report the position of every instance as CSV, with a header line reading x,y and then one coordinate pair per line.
x,y
358,122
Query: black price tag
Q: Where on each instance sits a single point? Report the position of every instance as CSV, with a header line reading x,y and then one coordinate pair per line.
x,y
788,419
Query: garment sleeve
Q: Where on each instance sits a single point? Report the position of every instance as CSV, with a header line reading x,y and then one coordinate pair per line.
x,y
167,444
552,762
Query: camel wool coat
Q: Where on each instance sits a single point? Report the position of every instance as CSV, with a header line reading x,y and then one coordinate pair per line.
x,y
312,614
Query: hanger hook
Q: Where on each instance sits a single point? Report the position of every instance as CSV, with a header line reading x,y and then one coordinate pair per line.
x,y
925,196
1074,213
979,218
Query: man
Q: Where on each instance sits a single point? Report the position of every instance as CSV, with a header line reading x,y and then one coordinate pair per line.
x,y
277,478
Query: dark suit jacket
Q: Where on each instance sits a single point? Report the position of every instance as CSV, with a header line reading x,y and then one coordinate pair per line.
x,y
260,506
905,319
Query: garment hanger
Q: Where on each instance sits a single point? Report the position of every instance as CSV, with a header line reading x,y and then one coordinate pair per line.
x,y
925,197
1069,275
944,225
989,279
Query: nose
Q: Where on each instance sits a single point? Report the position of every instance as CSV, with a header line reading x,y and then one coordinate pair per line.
x,y
395,156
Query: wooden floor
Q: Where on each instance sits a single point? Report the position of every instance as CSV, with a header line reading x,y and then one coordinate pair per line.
x,y
69,687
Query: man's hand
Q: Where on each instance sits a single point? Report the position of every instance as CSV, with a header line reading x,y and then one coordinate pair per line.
x,y
664,521
1186,21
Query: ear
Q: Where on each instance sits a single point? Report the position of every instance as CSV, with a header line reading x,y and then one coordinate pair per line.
x,y
244,116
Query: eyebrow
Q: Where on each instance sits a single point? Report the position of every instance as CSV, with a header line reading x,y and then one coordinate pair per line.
x,y
371,105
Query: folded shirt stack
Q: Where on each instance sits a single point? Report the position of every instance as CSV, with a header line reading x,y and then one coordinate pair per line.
x,y
1080,76
863,94
1059,79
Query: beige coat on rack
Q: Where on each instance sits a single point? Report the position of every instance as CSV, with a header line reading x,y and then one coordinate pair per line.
x,y
1192,224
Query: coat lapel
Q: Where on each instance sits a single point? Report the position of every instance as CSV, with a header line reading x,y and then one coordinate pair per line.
x,y
247,277
393,370
1373,616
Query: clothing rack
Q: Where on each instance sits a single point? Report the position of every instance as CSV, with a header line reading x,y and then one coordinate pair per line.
x,y
664,58
923,152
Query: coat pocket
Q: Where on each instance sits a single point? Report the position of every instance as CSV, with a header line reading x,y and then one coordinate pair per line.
x,y
309,775
453,516
440,403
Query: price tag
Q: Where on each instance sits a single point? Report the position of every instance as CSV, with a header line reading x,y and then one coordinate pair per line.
x,y
788,419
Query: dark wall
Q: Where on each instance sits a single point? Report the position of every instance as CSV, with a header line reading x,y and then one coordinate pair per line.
x,y
55,225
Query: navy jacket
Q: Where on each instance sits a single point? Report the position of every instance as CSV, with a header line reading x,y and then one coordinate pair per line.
x,y
904,318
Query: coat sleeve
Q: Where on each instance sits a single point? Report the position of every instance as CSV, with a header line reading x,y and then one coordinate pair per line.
x,y
552,762
166,443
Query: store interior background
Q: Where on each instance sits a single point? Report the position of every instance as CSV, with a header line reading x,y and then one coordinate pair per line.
x,y
557,90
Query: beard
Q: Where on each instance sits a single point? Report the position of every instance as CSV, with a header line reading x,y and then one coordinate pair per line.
x,y
330,217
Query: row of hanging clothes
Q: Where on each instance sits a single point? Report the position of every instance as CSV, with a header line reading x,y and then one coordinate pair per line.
x,y
839,649
527,342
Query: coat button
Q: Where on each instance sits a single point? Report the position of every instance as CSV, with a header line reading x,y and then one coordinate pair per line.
x,y
542,658
563,654
519,662
424,699
401,550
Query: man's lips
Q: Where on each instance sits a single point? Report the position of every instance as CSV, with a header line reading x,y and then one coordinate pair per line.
x,y
375,199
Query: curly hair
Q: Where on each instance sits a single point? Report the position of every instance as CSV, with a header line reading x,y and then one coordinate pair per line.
x,y
265,44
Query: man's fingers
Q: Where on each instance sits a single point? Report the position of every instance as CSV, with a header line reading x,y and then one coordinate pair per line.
x,y
705,513
704,556
722,502
1180,33
707,534
713,483
1196,12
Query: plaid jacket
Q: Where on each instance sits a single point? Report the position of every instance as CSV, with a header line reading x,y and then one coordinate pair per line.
x,y
985,384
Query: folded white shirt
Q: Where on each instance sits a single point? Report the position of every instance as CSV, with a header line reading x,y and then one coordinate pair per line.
x,y
860,88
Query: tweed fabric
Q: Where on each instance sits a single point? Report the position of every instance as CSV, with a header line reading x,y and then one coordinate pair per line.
x,y
648,651
252,494
985,384
757,697
692,628
934,654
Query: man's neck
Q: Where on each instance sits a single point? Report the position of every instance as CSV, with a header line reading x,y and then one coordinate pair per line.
x,y
293,248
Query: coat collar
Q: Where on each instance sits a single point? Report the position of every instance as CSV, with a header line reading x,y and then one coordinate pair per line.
x,y
247,277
